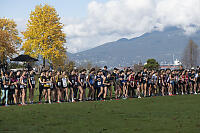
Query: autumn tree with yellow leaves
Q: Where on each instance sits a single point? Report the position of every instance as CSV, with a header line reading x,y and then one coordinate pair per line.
x,y
44,35
9,39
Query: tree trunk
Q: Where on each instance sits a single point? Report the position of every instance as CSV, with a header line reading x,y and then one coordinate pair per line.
x,y
43,62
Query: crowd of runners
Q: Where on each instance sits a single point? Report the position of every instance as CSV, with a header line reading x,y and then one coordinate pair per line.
x,y
88,85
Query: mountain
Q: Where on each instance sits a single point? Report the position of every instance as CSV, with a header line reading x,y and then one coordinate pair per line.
x,y
161,45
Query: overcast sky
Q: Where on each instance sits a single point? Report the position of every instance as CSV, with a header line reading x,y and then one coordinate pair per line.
x,y
90,23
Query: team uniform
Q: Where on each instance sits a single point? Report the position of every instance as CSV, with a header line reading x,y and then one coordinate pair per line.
x,y
32,81
176,87
41,86
5,89
74,80
108,82
98,84
123,80
83,81
92,79
18,82
192,82
12,88
131,85
24,82
1,83
64,82
58,82
48,84
144,77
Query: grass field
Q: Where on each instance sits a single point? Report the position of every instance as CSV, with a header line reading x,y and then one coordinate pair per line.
x,y
175,114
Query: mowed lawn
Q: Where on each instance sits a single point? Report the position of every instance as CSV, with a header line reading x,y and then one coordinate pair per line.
x,y
169,114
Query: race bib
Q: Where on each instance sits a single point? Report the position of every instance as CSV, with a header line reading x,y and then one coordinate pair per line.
x,y
59,83
21,86
33,82
5,86
51,85
64,84
98,83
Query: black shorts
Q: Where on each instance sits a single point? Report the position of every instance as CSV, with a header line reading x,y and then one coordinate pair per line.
x,y
108,86
46,88
180,82
160,85
41,87
18,87
84,86
32,86
59,87
25,87
192,82
52,87
98,87
71,86
11,91
144,82
6,88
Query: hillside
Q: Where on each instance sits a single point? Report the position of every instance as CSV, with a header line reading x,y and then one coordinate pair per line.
x,y
125,52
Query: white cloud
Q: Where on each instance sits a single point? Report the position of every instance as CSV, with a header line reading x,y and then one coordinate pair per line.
x,y
21,24
128,18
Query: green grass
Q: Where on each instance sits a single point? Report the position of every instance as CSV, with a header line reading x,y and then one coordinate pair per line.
x,y
176,114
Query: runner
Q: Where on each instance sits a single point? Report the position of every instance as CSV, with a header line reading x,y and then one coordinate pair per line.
x,y
105,71
82,84
123,80
91,84
47,90
99,85
31,81
18,94
144,82
6,87
58,86
23,82
131,85
1,83
64,86
72,85
192,81
198,82
107,86
138,82
13,86
53,86
41,86
116,83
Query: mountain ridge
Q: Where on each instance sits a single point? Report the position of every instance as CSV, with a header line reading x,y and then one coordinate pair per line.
x,y
161,45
